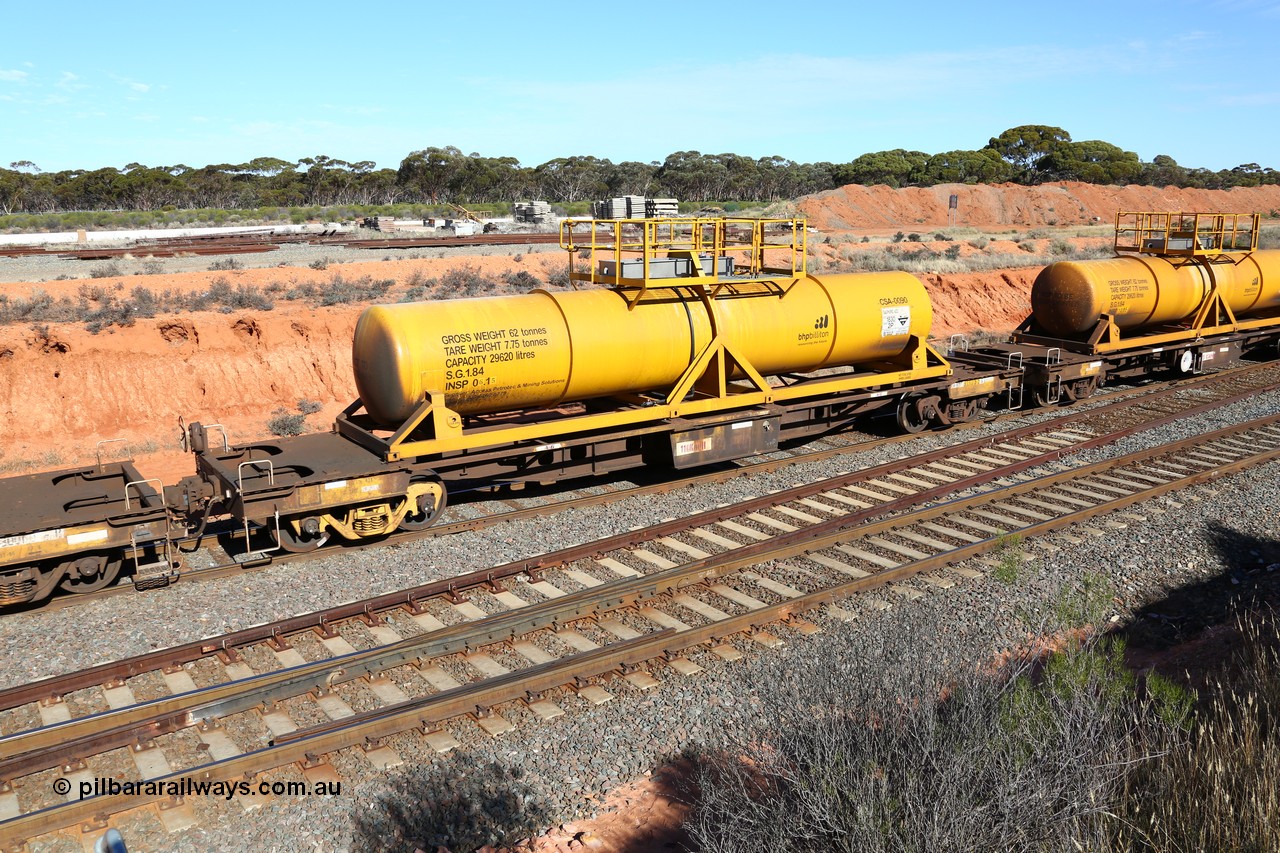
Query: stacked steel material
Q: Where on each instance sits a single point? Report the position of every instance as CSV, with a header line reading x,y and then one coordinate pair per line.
x,y
661,208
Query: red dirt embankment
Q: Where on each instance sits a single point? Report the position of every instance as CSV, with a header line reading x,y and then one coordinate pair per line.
x,y
63,390
993,205
995,301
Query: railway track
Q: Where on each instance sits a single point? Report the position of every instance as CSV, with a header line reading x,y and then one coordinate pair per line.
x,y
1132,406
425,242
243,244
245,704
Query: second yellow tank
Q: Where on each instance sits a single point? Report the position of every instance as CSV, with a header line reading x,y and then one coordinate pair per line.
x,y
1068,297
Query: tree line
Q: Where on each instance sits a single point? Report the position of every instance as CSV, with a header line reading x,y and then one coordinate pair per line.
x,y
1029,154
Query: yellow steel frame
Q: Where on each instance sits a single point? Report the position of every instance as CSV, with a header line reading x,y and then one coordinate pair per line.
x,y
706,386
445,433
1188,235
1213,317
694,240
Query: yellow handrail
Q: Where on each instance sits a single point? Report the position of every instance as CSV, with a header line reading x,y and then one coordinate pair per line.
x,y
655,253
1186,234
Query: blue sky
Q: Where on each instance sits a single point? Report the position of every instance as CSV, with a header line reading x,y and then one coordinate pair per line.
x,y
85,85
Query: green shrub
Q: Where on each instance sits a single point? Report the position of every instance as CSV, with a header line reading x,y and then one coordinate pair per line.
x,y
107,270
1008,553
465,280
339,290
459,804
222,295
898,749
522,280
283,422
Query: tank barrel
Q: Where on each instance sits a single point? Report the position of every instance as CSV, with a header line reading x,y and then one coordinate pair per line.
x,y
545,348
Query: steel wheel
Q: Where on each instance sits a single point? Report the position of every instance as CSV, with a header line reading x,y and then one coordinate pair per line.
x,y
94,573
910,417
1041,396
308,538
424,518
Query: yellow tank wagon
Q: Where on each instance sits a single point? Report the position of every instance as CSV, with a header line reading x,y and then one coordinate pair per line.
x,y
691,323
545,348
1185,276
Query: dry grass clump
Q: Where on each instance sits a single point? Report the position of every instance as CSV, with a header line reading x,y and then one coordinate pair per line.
x,y
462,282
876,742
456,804
284,422
924,260
1214,785
873,741
100,307
338,290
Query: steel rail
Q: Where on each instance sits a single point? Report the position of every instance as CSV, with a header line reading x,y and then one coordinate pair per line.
x,y
1120,400
368,608
1124,399
120,727
372,726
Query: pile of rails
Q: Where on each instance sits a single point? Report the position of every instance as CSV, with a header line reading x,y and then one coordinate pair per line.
x,y
491,239
635,207
205,244
536,212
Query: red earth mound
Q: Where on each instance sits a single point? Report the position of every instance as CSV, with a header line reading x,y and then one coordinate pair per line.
x,y
62,388
992,205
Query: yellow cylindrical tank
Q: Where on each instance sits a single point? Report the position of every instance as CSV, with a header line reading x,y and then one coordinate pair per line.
x,y
504,353
1068,297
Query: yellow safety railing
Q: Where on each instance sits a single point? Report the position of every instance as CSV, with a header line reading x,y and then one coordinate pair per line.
x,y
1186,234
642,254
